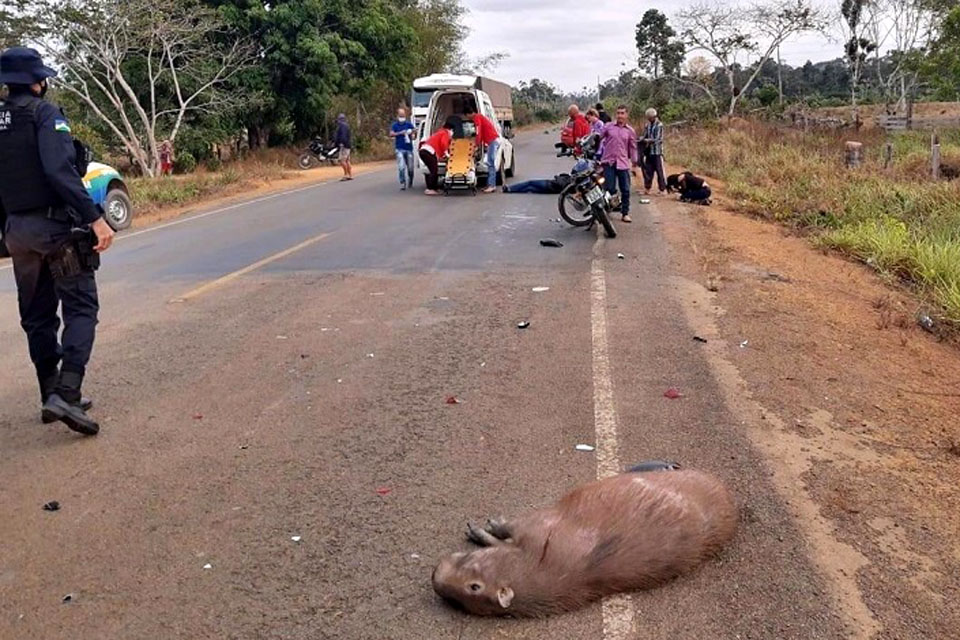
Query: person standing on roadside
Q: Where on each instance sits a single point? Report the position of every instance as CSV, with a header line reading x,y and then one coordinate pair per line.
x,y
343,139
619,157
602,114
652,145
47,207
166,158
402,133
489,137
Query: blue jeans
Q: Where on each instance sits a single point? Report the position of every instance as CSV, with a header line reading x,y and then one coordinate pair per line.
x,y
613,178
534,186
492,149
405,167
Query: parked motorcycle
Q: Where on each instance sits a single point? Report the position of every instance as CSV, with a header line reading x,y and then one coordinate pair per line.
x,y
319,152
585,200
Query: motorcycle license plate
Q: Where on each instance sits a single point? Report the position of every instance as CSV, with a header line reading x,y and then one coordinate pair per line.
x,y
595,195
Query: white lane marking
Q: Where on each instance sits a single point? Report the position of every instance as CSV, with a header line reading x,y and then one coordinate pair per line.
x,y
618,611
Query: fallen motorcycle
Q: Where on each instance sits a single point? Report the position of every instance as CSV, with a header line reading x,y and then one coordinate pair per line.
x,y
319,152
585,200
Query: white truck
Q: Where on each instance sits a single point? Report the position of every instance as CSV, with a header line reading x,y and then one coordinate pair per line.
x,y
441,95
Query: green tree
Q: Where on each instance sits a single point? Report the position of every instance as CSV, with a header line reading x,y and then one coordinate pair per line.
x,y
660,53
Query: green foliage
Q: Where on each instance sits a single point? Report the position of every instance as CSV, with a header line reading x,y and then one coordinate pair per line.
x,y
898,221
766,95
184,162
660,53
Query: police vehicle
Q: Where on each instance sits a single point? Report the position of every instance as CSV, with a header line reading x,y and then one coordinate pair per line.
x,y
107,189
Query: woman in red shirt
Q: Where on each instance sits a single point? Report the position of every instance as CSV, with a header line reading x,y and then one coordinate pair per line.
x,y
432,150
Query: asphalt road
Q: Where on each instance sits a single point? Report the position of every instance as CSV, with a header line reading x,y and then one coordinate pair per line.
x,y
280,369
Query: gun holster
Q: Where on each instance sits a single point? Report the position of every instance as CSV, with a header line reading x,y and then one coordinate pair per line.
x,y
75,255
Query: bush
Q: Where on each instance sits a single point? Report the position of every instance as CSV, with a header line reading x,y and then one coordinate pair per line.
x,y
185,162
212,163
898,220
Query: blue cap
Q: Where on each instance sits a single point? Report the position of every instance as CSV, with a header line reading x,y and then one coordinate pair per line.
x,y
20,65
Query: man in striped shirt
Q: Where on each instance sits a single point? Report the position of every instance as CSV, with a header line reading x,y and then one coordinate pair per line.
x,y
652,153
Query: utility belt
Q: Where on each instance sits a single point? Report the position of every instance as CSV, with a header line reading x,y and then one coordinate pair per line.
x,y
59,213
75,255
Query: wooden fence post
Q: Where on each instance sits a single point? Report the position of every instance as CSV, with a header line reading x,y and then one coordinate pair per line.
x,y
854,154
888,155
935,155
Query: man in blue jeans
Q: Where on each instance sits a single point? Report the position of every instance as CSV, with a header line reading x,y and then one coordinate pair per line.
x,y
619,158
402,133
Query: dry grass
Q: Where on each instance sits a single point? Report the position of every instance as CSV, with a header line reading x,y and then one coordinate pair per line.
x,y
897,220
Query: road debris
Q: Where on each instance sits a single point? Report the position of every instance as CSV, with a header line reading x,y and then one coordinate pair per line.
x,y
415,556
523,325
584,447
673,393
453,400
67,598
53,505
378,293
369,355
540,289
550,242
339,380
198,416
926,322
699,339
281,337
382,491
295,538
620,256
644,200
743,345
244,447
208,566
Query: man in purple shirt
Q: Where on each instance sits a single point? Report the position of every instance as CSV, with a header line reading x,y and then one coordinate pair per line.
x,y
619,157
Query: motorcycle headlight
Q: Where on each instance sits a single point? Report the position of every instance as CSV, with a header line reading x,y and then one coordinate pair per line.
x,y
601,180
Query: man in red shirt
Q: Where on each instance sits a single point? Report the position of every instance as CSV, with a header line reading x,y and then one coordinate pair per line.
x,y
487,135
434,149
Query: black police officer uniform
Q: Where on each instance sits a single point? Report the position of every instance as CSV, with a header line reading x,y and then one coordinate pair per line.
x,y
43,196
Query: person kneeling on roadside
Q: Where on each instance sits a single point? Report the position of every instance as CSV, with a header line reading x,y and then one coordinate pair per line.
x,y
434,149
691,188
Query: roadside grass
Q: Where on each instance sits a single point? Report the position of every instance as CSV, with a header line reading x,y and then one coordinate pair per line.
x,y
898,220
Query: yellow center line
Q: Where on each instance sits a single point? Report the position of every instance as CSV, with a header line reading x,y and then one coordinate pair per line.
x,y
253,267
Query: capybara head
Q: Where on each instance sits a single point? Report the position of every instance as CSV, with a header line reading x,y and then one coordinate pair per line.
x,y
470,581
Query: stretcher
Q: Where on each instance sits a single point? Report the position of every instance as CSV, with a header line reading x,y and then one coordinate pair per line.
x,y
461,166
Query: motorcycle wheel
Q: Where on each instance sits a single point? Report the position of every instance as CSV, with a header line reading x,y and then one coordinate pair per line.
x,y
572,209
305,161
604,217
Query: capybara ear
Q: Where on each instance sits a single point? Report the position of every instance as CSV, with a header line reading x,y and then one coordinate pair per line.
x,y
505,597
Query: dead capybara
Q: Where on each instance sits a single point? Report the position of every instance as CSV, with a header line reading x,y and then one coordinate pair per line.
x,y
632,531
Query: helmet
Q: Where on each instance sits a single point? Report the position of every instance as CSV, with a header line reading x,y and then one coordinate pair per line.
x,y
20,65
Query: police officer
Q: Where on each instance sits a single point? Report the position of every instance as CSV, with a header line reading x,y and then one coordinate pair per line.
x,y
42,194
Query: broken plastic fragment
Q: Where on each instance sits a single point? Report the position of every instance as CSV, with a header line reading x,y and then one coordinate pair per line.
x,y
295,538
550,242
584,447
198,416
53,505
699,339
644,200
281,337
453,400
925,322
620,256
743,345
540,289
369,355
672,393
382,491
523,325
208,566
67,598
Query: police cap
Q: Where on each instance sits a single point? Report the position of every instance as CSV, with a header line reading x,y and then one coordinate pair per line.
x,y
21,65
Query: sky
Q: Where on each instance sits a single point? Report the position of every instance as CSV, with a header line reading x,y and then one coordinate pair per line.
x,y
569,43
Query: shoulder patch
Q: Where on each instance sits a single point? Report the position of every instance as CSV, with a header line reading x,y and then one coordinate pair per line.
x,y
61,125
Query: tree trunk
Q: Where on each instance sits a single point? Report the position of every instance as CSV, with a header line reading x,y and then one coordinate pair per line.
x,y
780,75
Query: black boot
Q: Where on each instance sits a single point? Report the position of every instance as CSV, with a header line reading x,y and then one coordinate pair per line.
x,y
64,405
48,385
